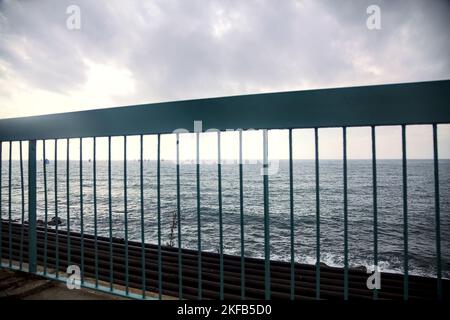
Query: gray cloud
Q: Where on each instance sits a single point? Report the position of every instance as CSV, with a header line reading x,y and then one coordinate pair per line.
x,y
191,49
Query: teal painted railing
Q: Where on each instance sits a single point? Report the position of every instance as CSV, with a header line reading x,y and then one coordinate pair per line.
x,y
373,106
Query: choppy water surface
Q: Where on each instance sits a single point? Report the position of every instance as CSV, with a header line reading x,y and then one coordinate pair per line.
x,y
421,212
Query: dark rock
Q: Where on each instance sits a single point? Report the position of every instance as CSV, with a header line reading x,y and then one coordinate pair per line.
x,y
360,268
55,221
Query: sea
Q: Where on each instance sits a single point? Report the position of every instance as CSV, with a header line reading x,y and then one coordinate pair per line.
x,y
421,214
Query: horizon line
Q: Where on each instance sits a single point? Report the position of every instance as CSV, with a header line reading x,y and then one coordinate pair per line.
x,y
225,159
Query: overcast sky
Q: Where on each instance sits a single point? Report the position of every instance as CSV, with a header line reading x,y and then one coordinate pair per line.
x,y
132,52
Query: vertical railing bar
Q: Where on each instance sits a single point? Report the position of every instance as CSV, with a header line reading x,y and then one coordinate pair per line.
x,y
125,210
344,155
56,211
199,235
111,261
316,150
291,202
437,213
266,215
375,204
159,216
1,202
81,212
44,157
241,209
142,217
405,214
95,208
10,204
219,178
32,236
68,200
180,263
23,206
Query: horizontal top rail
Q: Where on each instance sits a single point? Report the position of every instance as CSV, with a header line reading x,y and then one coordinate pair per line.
x,y
391,104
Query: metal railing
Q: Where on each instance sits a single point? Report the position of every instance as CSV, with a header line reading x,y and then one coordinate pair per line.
x,y
372,106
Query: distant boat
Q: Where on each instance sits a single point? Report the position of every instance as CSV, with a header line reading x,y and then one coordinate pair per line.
x,y
47,162
89,160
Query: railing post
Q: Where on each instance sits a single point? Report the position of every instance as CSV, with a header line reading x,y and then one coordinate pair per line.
x,y
32,206
266,216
